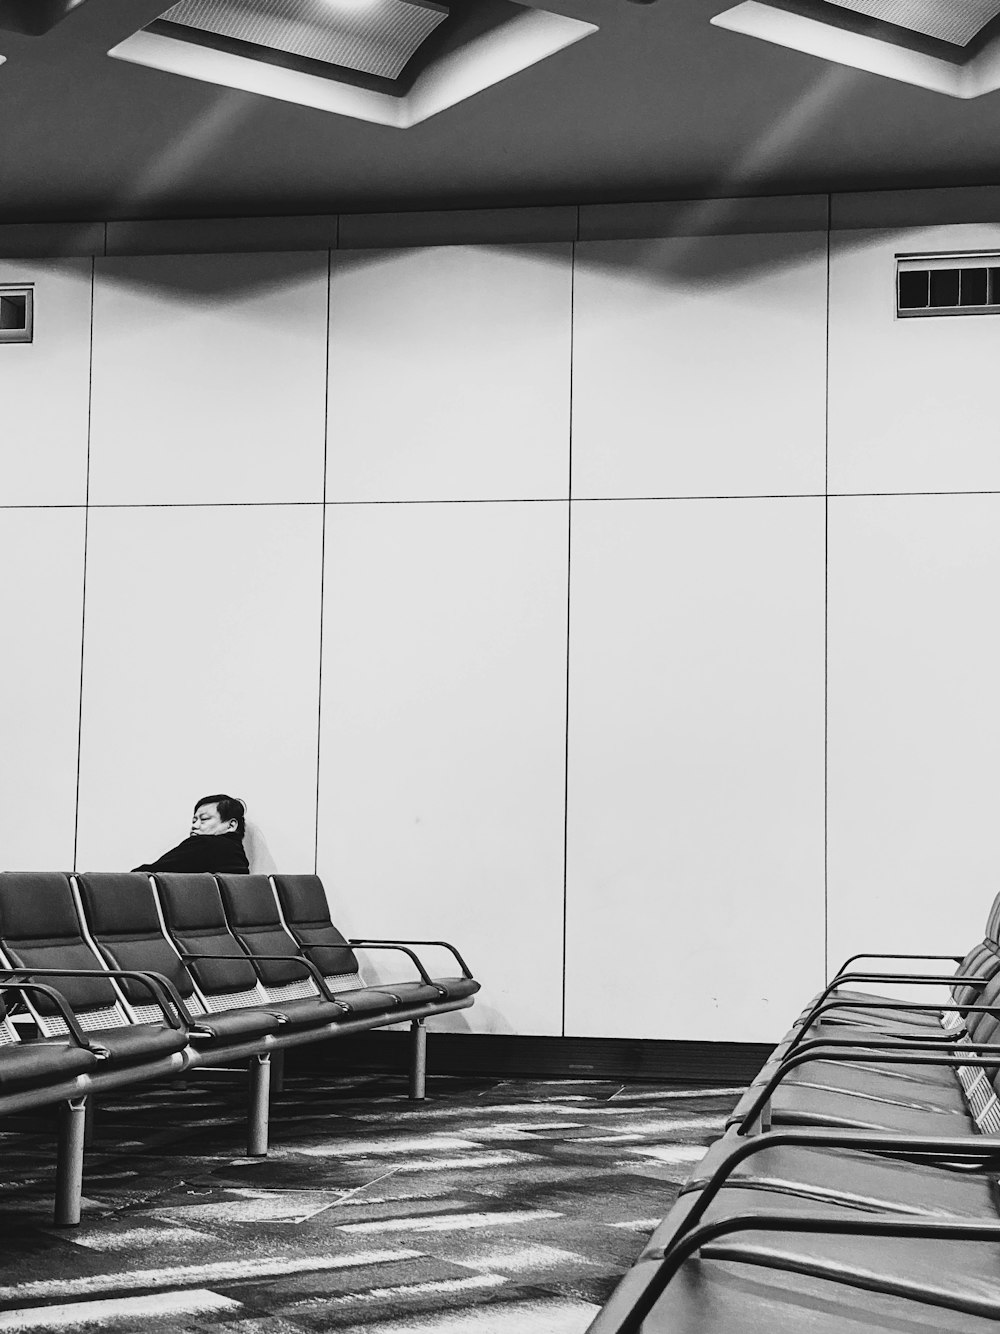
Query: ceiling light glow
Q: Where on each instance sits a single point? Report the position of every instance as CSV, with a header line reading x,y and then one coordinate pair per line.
x,y
804,25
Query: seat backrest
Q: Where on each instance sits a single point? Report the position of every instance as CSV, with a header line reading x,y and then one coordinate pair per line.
x,y
40,928
982,961
307,916
253,917
993,923
121,918
196,922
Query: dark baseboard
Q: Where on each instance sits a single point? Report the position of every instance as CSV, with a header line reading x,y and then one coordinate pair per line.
x,y
663,1061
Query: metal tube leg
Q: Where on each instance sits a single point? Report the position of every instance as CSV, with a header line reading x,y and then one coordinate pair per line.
x,y
260,1090
278,1072
69,1163
418,1065
88,1122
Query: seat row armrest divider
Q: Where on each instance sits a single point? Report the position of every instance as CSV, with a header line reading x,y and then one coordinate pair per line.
x,y
974,983
444,944
163,991
929,958
61,1004
904,1006
405,949
310,967
945,1147
861,1225
876,1051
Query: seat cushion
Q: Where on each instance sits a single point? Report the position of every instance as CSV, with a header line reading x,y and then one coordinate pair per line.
x,y
139,1042
308,1011
230,1026
30,1064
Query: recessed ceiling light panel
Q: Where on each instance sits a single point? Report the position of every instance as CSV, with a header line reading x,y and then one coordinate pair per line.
x,y
943,45
394,62
955,21
377,37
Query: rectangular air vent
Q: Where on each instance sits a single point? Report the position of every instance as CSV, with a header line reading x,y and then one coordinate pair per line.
x,y
17,314
948,284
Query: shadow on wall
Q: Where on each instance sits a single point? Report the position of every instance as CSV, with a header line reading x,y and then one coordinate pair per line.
x,y
215,276
703,244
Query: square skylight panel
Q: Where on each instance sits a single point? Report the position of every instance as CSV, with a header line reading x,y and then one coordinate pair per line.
x,y
377,37
955,21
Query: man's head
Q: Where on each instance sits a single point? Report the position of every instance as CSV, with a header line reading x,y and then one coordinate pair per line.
x,y
218,814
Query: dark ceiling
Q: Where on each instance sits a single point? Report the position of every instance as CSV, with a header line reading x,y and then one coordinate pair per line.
x,y
657,105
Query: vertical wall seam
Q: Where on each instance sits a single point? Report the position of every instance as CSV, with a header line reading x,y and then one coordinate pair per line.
x,y
826,610
569,558
322,552
83,589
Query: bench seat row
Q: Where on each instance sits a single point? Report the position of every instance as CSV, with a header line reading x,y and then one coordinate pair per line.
x,y
131,977
855,1189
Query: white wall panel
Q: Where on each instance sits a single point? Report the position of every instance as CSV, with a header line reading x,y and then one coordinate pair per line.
x,y
45,385
914,721
695,871
209,379
910,402
449,374
443,740
41,605
699,366
201,672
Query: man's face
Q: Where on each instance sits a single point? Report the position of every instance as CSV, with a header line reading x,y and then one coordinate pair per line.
x,y
206,821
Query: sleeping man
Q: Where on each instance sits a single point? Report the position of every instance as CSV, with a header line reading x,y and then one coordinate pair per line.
x,y
215,842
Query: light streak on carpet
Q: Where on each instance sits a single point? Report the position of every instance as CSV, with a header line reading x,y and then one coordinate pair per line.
x,y
451,1222
673,1153
518,1259
219,1271
117,1312
136,1239
546,1315
624,1096
431,1288
369,1148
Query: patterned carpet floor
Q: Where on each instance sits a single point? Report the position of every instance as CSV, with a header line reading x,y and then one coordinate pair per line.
x,y
494,1206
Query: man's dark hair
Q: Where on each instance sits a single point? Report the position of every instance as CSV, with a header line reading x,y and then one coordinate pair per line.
x,y
230,808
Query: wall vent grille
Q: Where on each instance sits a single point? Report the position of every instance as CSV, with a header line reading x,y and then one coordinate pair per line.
x,y
928,285
17,314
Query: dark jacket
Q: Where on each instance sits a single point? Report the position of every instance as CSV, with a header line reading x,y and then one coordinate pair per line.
x,y
203,852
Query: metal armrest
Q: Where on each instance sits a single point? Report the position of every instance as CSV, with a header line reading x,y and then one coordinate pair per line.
x,y
164,992
925,979
61,1004
444,944
872,1054
929,958
310,967
385,945
905,1006
858,1225
974,1147
825,995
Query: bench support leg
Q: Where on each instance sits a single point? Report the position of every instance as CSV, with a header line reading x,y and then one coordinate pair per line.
x,y
260,1091
69,1163
88,1122
418,1066
278,1072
